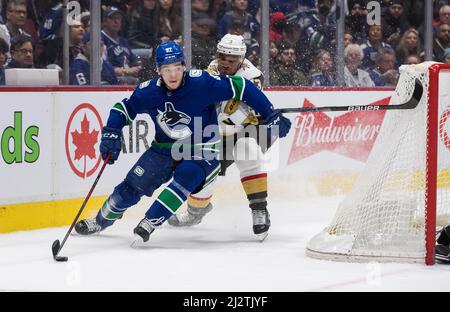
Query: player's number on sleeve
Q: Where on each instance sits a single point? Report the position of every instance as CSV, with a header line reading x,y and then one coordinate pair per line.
x,y
81,79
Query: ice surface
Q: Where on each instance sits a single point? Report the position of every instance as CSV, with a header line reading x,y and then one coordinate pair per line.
x,y
220,254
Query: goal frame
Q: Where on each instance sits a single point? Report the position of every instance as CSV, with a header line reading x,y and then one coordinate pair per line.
x,y
432,160
339,247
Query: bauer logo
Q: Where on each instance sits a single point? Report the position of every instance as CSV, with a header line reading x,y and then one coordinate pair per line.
x,y
351,134
82,139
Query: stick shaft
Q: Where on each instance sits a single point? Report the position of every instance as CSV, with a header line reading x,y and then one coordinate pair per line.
x,y
410,104
84,203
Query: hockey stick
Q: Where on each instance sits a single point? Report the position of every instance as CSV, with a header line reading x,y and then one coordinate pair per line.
x,y
410,104
56,247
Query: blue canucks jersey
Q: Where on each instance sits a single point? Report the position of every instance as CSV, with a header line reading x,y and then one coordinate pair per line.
x,y
79,72
52,22
119,52
322,80
378,78
183,115
370,54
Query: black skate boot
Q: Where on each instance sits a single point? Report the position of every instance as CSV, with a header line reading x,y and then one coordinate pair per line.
x,y
142,232
190,217
88,227
261,222
442,251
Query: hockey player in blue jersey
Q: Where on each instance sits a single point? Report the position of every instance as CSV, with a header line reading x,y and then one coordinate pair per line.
x,y
182,105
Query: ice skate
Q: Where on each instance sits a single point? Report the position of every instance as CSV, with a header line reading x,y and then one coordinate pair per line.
x,y
192,216
88,227
442,253
142,232
261,223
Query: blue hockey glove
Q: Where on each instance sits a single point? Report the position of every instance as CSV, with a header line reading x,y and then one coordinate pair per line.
x,y
276,119
111,143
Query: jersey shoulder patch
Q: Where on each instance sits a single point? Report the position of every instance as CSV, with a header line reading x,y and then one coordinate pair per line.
x,y
145,84
195,73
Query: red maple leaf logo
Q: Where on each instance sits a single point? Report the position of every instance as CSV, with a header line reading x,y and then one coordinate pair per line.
x,y
85,141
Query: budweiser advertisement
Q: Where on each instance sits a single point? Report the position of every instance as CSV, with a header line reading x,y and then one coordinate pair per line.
x,y
351,134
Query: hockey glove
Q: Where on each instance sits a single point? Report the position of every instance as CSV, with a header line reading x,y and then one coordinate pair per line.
x,y
276,119
111,143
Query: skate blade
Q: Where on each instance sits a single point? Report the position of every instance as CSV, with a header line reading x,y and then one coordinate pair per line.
x,y
261,237
137,242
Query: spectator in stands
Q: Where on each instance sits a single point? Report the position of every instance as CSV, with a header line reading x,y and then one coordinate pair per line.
x,y
273,50
447,56
238,11
320,28
354,76
394,22
16,17
273,54
373,44
4,50
142,27
284,72
50,36
4,35
202,6
441,42
79,72
385,74
126,64
277,23
348,38
355,22
76,35
203,40
289,6
304,55
412,59
122,5
414,11
444,14
22,52
409,44
323,74
237,27
170,22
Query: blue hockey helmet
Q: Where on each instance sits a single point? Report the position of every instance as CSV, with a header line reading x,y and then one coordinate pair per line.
x,y
169,52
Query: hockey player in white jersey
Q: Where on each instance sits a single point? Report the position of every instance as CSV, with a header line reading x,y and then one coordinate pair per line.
x,y
235,116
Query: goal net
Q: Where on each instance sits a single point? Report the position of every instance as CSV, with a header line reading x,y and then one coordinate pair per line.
x,y
403,193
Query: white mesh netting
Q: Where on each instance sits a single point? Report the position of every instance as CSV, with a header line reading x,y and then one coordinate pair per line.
x,y
383,216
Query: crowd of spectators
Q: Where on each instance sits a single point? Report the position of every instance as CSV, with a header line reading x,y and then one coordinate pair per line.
x,y
302,38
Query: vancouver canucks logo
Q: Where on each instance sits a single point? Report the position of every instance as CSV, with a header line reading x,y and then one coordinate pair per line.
x,y
174,123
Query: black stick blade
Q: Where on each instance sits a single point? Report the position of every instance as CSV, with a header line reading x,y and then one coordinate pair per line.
x,y
417,94
55,248
61,259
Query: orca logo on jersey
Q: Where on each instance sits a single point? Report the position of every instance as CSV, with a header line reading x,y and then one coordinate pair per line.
x,y
174,122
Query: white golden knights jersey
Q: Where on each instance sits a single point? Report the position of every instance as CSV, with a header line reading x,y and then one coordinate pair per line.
x,y
234,115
